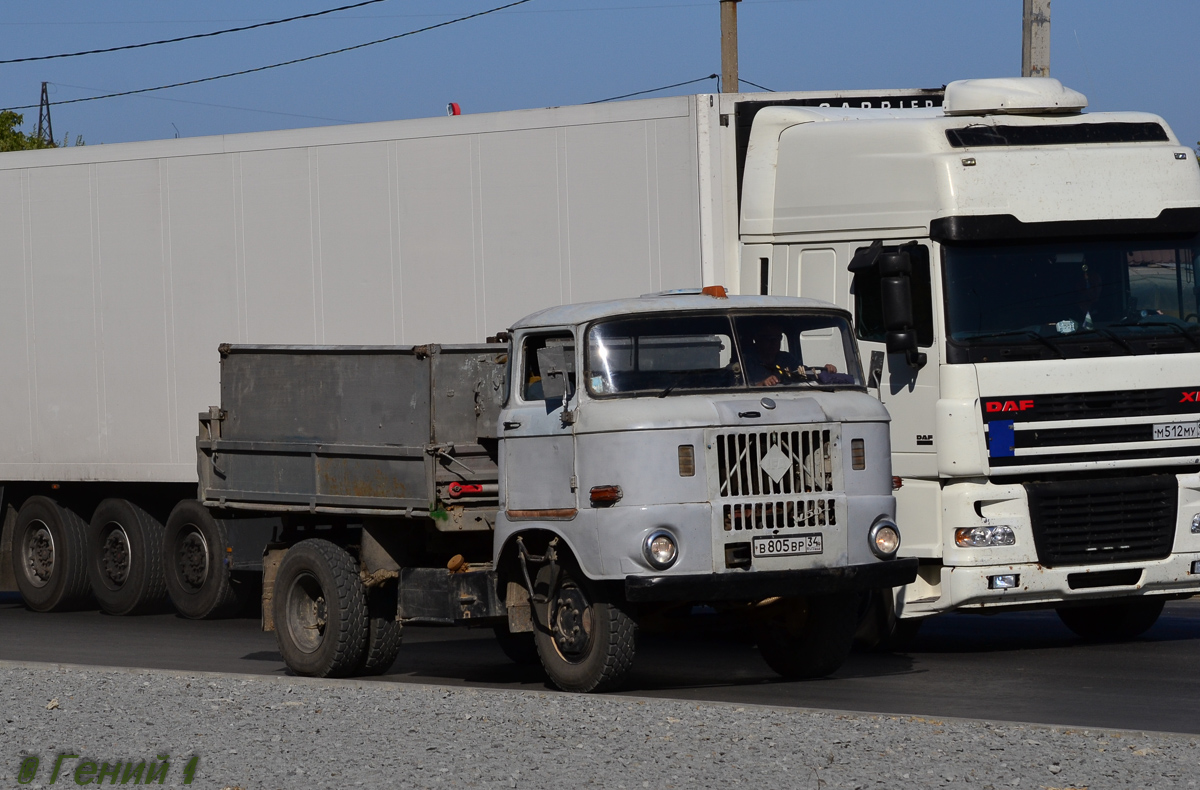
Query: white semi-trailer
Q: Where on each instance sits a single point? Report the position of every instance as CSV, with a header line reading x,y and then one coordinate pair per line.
x,y
125,266
1023,285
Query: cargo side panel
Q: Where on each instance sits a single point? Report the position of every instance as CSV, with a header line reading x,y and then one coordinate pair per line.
x,y
17,438
206,292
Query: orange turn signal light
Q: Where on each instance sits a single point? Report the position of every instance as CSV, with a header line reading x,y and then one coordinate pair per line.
x,y
605,495
715,291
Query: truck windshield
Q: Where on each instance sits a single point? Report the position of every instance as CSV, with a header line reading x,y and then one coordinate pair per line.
x,y
1071,298
662,355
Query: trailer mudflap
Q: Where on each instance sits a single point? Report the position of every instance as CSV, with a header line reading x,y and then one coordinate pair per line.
x,y
434,595
754,585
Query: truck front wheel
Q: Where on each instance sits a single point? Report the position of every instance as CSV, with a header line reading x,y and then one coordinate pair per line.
x,y
1111,621
808,638
585,641
320,610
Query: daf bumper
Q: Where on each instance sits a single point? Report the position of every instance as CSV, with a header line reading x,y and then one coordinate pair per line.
x,y
974,587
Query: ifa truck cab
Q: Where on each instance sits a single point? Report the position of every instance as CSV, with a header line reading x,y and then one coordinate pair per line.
x,y
1024,282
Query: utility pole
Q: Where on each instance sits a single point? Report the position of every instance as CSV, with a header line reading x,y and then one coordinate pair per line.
x,y
729,46
1035,39
45,131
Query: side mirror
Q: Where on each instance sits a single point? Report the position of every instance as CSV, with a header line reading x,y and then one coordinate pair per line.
x,y
895,284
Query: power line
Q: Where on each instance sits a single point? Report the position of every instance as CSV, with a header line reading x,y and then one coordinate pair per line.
x,y
191,37
638,93
756,85
220,106
287,62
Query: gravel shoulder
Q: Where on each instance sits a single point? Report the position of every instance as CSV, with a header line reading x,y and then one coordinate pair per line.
x,y
279,733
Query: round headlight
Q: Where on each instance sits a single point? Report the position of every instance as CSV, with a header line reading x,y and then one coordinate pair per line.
x,y
660,549
884,538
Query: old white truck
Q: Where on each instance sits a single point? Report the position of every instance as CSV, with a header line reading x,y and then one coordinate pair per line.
x,y
610,463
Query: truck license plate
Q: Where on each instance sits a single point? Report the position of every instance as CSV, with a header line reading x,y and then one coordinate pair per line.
x,y
1176,430
788,546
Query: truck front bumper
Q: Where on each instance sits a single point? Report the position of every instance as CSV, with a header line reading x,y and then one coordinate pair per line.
x,y
756,585
967,587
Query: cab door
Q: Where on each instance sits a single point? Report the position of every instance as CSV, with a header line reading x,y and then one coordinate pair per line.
x,y
537,447
910,394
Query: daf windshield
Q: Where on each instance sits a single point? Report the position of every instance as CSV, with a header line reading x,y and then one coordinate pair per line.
x,y
1071,299
662,355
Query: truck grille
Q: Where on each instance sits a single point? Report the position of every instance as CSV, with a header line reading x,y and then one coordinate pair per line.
x,y
780,515
1015,438
774,462
1104,520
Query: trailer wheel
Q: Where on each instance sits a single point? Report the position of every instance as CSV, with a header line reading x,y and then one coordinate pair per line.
x,y
808,638
521,648
1115,622
125,558
198,580
49,556
585,640
320,610
384,632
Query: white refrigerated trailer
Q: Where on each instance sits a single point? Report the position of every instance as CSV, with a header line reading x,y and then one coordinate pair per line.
x,y
123,267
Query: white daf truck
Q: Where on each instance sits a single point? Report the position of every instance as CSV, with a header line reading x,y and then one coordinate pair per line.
x,y
1024,281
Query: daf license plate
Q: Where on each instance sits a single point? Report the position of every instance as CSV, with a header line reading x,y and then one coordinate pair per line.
x,y
787,546
1176,430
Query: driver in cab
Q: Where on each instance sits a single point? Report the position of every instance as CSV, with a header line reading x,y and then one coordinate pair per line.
x,y
767,365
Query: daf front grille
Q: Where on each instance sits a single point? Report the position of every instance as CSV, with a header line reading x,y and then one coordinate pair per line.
x,y
1087,522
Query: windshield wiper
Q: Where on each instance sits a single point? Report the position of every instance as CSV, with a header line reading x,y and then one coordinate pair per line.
x,y
1107,334
1045,341
1185,331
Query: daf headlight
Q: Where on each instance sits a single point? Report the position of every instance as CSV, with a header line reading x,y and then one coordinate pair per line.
x,y
884,538
979,537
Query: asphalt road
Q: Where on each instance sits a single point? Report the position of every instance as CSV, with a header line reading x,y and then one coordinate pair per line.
x,y
1010,667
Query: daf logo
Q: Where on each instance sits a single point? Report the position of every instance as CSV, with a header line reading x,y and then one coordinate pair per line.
x,y
1015,405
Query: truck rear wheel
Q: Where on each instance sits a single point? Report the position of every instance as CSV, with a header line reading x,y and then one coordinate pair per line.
x,y
383,631
198,580
125,558
1112,621
808,638
585,641
320,611
49,556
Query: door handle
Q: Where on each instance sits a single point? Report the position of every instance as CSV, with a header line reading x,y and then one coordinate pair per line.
x,y
508,426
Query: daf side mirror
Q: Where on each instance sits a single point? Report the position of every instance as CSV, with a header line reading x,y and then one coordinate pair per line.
x,y
895,284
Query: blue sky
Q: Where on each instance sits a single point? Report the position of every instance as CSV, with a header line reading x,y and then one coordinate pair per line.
x,y
1140,55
